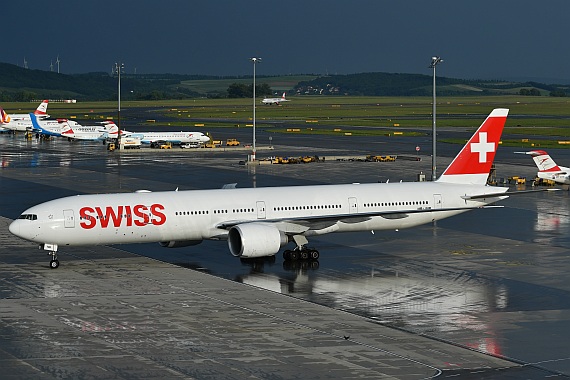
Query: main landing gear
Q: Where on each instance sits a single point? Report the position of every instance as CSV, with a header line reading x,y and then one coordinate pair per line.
x,y
301,253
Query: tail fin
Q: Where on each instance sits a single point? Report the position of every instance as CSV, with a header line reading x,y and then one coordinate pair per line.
x,y
283,96
4,118
35,125
66,130
543,161
42,109
111,129
473,164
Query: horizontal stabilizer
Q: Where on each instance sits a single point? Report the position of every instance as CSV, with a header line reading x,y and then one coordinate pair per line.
x,y
508,193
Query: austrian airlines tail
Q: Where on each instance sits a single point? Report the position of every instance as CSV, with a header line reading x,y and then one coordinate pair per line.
x,y
473,164
547,168
42,109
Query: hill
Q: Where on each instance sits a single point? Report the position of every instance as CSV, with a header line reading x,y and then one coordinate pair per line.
x,y
19,84
385,84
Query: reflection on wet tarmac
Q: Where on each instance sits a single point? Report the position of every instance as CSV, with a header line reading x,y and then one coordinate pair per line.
x,y
552,220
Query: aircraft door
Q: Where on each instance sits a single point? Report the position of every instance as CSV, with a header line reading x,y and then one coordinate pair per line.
x,y
352,205
68,219
260,210
437,201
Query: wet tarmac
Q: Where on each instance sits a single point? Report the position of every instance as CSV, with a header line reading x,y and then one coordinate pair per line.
x,y
492,281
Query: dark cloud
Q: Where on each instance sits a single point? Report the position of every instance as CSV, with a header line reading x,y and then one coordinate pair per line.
x,y
482,39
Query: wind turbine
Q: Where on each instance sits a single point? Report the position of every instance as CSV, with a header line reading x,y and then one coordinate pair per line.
x,y
51,66
57,61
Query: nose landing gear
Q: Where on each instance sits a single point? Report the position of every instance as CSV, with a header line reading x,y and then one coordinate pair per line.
x,y
52,251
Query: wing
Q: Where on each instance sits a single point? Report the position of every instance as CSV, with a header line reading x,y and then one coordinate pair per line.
x,y
293,226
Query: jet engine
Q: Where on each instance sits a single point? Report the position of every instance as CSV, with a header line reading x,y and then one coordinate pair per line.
x,y
179,243
255,240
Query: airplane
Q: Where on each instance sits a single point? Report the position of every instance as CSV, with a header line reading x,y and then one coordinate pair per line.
x,y
173,137
49,127
108,129
258,222
547,168
275,100
22,122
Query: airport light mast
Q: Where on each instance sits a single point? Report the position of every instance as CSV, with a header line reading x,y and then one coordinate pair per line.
x,y
118,68
434,62
254,60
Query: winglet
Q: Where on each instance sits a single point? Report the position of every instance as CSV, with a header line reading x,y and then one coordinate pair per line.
x,y
473,163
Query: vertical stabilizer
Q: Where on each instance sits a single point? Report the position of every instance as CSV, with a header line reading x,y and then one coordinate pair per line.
x,y
4,118
42,109
543,161
473,163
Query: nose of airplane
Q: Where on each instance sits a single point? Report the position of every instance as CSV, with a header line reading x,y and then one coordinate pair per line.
x,y
15,228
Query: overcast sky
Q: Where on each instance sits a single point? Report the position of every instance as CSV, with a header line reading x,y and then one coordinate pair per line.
x,y
484,39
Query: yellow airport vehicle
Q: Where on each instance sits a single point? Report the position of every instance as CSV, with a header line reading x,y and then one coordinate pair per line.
x,y
232,142
517,180
380,158
166,145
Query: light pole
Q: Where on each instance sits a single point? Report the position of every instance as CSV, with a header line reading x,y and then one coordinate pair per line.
x,y
118,68
254,60
434,63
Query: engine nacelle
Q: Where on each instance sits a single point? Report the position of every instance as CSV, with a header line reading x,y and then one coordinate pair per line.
x,y
255,240
179,243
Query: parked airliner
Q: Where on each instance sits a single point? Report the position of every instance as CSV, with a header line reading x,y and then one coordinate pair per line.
x,y
547,168
22,122
173,137
258,222
107,129
275,100
50,127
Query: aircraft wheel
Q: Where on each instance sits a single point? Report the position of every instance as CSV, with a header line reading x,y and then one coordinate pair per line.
x,y
54,264
294,255
304,255
314,254
287,255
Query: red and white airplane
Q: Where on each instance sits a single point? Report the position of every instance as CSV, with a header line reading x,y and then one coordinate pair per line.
x,y
22,122
258,222
547,168
107,129
275,100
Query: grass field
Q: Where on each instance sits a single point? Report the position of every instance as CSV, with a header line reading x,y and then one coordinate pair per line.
x,y
279,83
546,117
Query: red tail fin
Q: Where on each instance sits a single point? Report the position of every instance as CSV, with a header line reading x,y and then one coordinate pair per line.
x,y
473,164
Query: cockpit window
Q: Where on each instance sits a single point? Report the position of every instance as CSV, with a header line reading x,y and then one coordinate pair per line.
x,y
28,216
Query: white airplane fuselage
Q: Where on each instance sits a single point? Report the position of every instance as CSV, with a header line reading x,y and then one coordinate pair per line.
x,y
198,215
174,137
562,177
86,133
21,123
